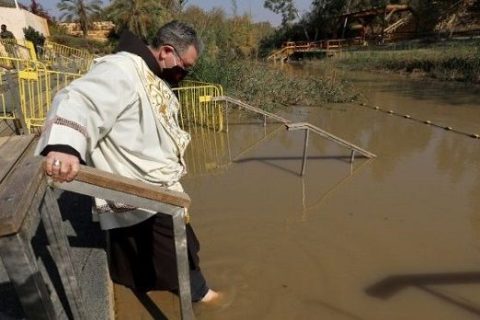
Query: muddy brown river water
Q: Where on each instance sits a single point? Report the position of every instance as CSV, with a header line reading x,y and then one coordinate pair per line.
x,y
394,238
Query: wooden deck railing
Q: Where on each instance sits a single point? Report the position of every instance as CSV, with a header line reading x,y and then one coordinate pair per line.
x,y
26,197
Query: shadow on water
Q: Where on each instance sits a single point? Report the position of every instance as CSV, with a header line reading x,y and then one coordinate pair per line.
x,y
150,306
273,161
391,285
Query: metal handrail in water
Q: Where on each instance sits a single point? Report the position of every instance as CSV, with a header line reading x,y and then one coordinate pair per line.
x,y
308,127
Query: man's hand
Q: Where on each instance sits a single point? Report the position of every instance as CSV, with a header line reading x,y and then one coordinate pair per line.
x,y
61,166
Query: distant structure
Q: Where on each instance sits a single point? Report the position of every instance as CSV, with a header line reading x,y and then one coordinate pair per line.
x,y
391,22
99,30
399,21
16,18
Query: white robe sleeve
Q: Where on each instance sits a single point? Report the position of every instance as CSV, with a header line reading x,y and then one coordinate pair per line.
x,y
85,111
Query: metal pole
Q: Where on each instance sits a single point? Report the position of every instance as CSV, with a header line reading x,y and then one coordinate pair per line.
x,y
305,146
183,269
226,116
264,120
352,156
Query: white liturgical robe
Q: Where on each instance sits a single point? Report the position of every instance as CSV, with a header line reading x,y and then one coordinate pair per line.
x,y
123,119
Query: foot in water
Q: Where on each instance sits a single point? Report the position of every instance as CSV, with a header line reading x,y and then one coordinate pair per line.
x,y
212,297
215,301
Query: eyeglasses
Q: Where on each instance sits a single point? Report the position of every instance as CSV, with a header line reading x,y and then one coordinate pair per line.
x,y
185,70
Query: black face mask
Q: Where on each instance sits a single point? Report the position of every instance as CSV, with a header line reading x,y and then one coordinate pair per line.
x,y
173,75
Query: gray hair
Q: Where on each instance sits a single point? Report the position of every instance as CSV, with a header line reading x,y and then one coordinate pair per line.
x,y
179,35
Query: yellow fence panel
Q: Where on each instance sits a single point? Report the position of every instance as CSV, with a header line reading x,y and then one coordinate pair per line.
x,y
9,93
17,48
193,83
36,95
198,107
30,85
6,111
60,57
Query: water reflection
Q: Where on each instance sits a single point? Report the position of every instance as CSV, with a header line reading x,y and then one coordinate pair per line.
x,y
212,152
209,152
331,190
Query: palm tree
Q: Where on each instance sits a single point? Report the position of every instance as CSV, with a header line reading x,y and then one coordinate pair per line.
x,y
79,11
139,16
175,5
38,10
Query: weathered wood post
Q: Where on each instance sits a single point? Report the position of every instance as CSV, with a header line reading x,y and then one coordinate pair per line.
x,y
26,198
13,90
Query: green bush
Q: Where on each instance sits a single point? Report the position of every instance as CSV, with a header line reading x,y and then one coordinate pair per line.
x,y
268,87
458,61
34,36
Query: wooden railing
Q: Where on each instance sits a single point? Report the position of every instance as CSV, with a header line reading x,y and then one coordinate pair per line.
x,y
289,48
26,197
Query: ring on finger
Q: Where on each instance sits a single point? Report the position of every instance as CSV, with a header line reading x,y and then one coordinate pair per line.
x,y
57,163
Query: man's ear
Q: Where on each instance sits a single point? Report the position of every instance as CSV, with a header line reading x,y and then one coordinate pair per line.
x,y
164,51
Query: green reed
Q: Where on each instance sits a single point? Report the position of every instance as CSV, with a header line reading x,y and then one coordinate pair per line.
x,y
458,61
270,87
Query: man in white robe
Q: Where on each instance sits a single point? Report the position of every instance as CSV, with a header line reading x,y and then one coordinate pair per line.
x,y
121,117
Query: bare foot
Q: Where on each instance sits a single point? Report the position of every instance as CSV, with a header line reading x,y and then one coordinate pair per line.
x,y
211,297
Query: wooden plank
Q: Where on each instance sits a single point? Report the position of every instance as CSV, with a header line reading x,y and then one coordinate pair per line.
x,y
117,183
115,196
20,124
22,269
52,221
11,149
17,193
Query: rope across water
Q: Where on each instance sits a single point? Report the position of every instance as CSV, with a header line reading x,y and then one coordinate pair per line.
x,y
427,122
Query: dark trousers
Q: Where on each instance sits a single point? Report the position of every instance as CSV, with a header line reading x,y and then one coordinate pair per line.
x,y
142,257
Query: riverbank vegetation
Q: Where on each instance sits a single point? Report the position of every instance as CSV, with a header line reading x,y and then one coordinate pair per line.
x,y
452,60
231,55
232,48
230,59
271,87
410,36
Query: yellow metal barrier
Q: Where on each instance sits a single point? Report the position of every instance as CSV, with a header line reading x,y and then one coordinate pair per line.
x,y
6,111
32,85
9,95
17,48
61,57
37,89
199,107
193,83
